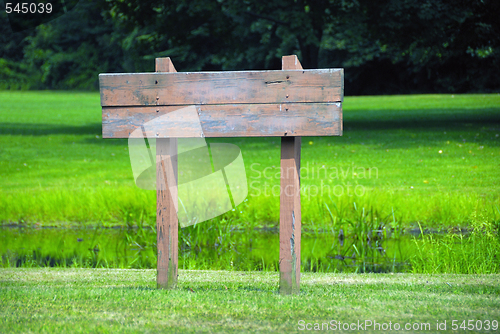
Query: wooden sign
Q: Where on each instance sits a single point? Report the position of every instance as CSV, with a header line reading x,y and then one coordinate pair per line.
x,y
289,104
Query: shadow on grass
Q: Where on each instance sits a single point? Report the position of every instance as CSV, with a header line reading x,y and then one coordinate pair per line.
x,y
210,288
29,129
135,288
438,122
26,129
359,120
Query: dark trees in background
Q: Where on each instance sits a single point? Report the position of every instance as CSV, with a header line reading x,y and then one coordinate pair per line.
x,y
386,46
65,53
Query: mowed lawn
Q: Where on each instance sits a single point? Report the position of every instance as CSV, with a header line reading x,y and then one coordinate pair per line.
x,y
127,301
429,159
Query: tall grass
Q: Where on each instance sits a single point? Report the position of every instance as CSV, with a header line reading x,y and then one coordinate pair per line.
x,y
475,253
108,205
112,205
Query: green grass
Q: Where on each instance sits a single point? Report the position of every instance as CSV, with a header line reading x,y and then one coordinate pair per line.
x,y
126,301
429,159
477,252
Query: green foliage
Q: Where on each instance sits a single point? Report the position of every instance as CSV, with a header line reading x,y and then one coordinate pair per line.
x,y
15,76
392,46
446,43
66,53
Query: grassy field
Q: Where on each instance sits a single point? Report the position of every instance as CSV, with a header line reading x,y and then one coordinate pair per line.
x,y
429,159
126,301
426,161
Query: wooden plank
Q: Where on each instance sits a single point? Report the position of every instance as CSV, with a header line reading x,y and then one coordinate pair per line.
x,y
243,120
290,213
200,88
166,198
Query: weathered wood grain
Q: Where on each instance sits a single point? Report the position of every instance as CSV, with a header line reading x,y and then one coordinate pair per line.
x,y
166,199
247,120
290,212
201,88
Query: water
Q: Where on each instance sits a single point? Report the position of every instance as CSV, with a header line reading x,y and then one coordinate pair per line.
x,y
210,247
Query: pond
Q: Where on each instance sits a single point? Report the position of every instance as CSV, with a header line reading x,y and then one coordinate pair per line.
x,y
219,248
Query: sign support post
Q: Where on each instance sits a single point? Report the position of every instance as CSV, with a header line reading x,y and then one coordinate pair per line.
x,y
289,104
290,213
166,197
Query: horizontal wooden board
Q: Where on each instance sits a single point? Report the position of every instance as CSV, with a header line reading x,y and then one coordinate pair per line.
x,y
204,88
237,120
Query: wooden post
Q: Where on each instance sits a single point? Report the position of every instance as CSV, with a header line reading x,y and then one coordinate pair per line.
x,y
290,216
166,214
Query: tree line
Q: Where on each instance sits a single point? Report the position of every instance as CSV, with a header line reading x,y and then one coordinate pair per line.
x,y
385,46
